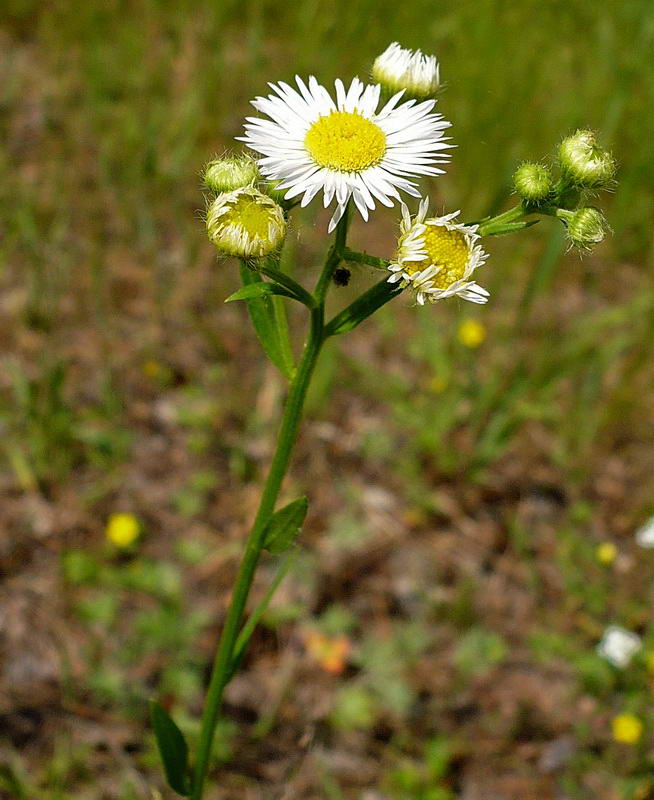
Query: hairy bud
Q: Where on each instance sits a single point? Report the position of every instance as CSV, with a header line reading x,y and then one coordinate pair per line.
x,y
533,182
229,173
585,164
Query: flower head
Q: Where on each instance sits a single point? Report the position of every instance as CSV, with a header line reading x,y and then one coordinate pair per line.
x,y
627,728
619,646
437,257
584,163
399,68
345,147
123,530
245,223
229,173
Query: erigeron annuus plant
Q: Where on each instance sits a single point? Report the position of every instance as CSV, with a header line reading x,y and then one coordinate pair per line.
x,y
353,148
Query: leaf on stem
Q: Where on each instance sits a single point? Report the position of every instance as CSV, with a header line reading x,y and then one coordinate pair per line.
x,y
380,294
283,528
172,747
264,319
260,289
255,617
507,227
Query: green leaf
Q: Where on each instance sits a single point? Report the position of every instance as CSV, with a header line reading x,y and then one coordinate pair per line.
x,y
363,307
509,227
283,527
255,617
264,319
260,289
173,749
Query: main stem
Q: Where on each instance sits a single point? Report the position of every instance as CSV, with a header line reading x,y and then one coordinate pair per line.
x,y
285,442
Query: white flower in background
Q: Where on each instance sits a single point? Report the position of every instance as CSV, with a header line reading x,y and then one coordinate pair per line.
x,y
645,535
437,257
399,68
246,223
619,646
345,148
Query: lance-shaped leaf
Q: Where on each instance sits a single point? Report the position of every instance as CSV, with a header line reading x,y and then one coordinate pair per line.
x,y
272,335
283,528
377,296
259,289
173,749
507,227
255,617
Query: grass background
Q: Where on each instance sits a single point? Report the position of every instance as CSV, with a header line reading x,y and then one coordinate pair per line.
x,y
126,385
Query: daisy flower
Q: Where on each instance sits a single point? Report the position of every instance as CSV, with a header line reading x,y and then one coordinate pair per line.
x,y
245,223
437,257
345,147
399,68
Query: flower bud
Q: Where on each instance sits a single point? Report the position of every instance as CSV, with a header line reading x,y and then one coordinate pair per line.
x,y
585,226
246,223
229,173
398,68
533,182
584,163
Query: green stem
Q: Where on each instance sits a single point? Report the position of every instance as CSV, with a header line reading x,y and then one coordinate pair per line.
x,y
287,435
364,258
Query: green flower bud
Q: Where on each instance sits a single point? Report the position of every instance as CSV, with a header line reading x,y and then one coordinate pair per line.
x,y
585,164
586,226
246,223
533,182
229,173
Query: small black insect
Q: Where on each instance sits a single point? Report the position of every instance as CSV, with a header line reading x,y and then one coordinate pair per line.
x,y
342,276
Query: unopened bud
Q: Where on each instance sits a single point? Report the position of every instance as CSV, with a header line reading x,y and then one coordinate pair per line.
x,y
533,182
246,223
584,163
398,68
586,226
229,173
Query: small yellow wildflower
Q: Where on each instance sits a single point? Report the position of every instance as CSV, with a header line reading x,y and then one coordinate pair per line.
x,y
123,530
471,333
627,728
606,553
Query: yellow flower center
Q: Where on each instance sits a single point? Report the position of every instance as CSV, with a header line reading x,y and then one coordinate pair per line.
x,y
250,214
345,141
448,250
